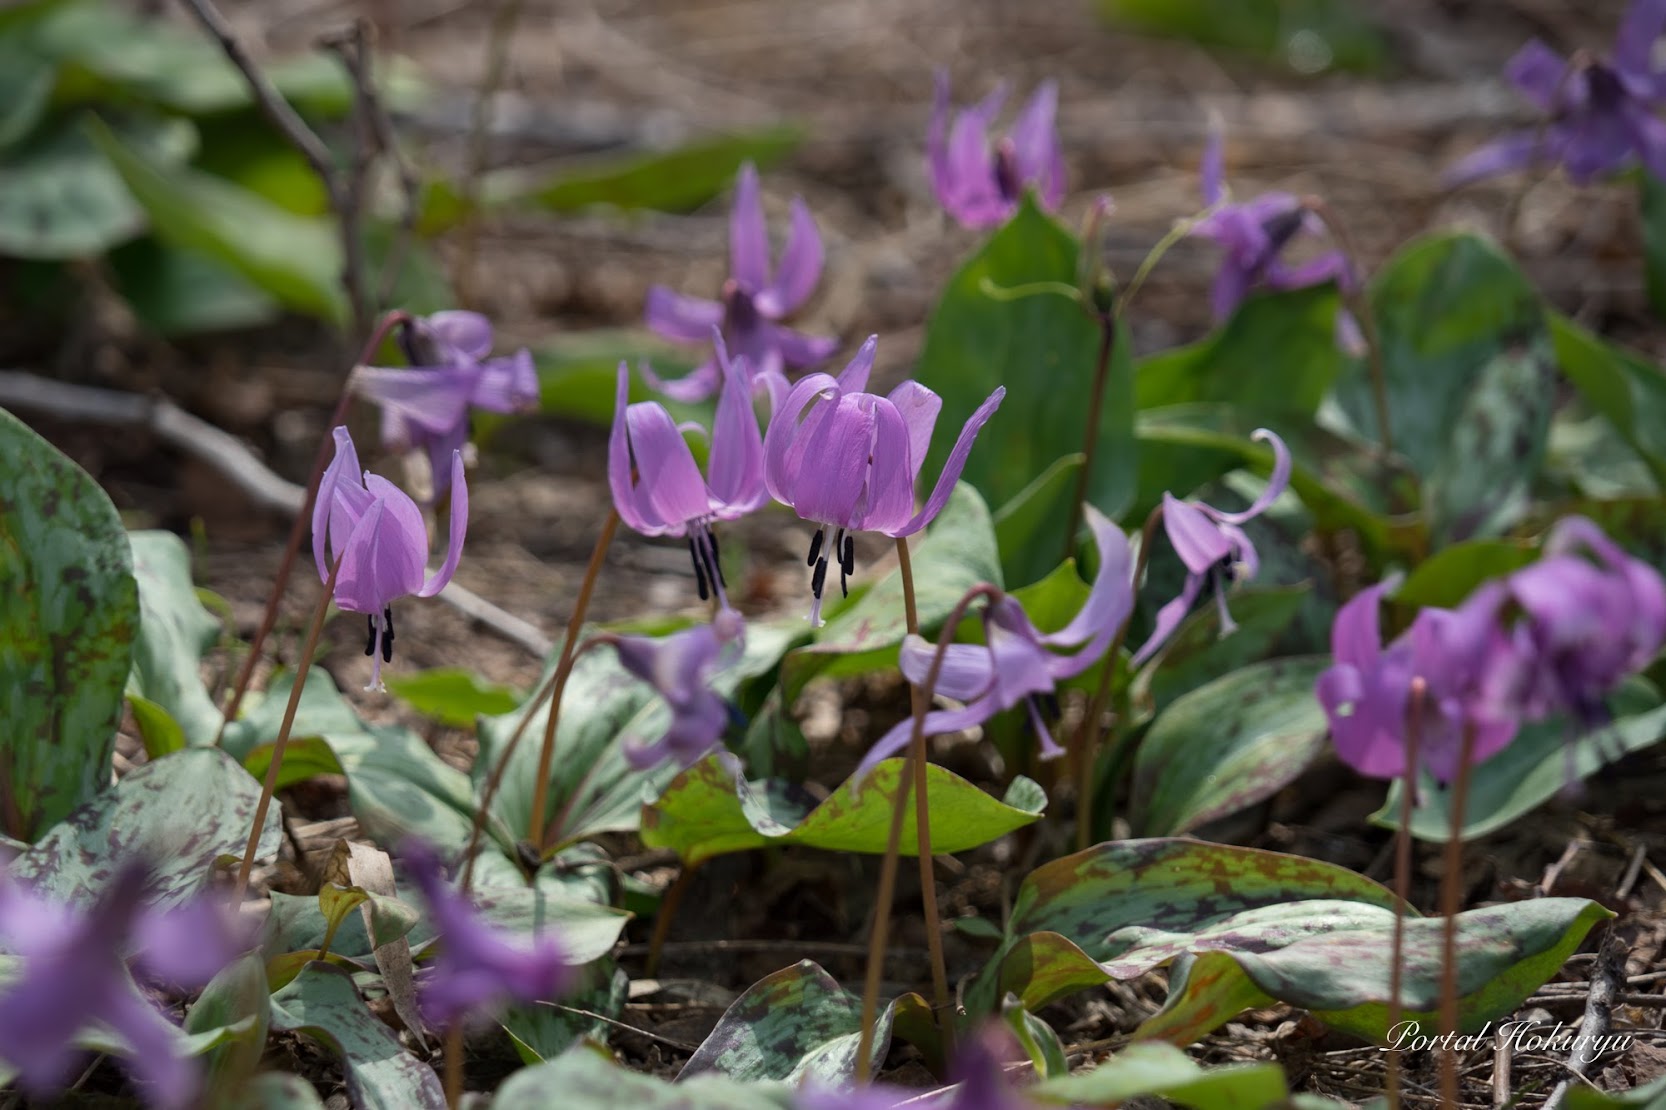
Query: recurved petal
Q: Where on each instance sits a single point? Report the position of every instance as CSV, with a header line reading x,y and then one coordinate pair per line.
x,y
460,332
1212,173
737,449
1637,36
459,528
918,407
1197,539
748,236
342,472
800,268
798,350
667,477
632,509
380,562
1537,71
691,388
1035,144
1231,286
1277,482
890,481
939,722
1109,602
955,463
1168,619
1648,137
1512,152
968,669
688,319
508,384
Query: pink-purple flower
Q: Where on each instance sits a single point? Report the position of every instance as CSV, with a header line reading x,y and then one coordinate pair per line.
x,y
1017,663
657,487
427,406
848,460
376,532
1214,547
679,668
981,183
1600,115
479,966
755,300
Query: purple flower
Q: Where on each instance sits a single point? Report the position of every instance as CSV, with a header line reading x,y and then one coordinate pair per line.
x,y
1599,114
427,406
679,668
981,186
753,304
376,532
1590,616
849,460
480,966
1214,548
657,488
1253,236
1017,663
1470,669
74,976
979,1083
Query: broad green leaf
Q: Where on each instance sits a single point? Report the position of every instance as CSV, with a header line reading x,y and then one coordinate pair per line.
x,y
1450,575
323,1003
1652,201
795,1025
1650,1096
1163,1070
1308,36
295,260
1274,360
587,929
1228,744
304,758
863,635
60,197
235,998
710,809
1040,1043
1022,524
297,924
590,1080
544,1030
578,375
676,180
452,695
175,632
26,81
1044,348
281,1090
1539,763
69,611
177,292
177,815
1198,652
1629,391
593,788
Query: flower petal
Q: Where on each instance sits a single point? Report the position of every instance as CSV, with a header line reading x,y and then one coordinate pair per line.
x,y
687,319
1504,155
1538,73
939,722
833,480
1211,173
459,528
1277,482
783,439
461,332
1355,636
955,463
1168,618
919,407
890,482
1639,32
1108,604
748,236
968,669
507,384
667,477
633,509
854,377
1195,536
691,388
797,349
431,399
736,466
800,269
343,469
1035,145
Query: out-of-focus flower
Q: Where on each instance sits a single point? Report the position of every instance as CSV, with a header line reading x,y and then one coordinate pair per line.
x,y
679,668
979,1082
377,532
480,966
1599,114
1253,237
849,460
1214,548
754,301
1019,663
1470,667
75,977
427,405
657,488
1591,615
981,184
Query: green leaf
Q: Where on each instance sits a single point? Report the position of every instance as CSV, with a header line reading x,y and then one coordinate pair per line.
x,y
589,1080
1198,652
297,924
588,930
177,815
1228,744
295,260
60,197
26,81
1030,514
1308,36
452,695
1539,763
710,810
1469,377
1627,390
795,1025
68,614
1275,359
1165,1071
281,1090
864,635
1652,202
543,1031
323,1003
175,632
1450,575
178,292
236,998
1044,348
1650,1096
1038,1040
303,758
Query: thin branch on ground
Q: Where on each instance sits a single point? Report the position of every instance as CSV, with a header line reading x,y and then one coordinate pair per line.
x,y
1606,978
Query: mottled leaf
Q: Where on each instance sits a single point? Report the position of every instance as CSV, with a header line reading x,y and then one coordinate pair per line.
x,y
235,998
1627,390
1198,652
710,809
590,1080
542,1031
68,614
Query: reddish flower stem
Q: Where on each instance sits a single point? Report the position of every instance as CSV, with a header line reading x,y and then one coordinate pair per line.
x,y
1451,890
1402,882
1090,435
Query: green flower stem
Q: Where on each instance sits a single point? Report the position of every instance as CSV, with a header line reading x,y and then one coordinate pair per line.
x,y
302,520
301,668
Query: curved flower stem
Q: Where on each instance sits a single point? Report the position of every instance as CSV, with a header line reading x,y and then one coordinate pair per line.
x,y
454,1066
888,868
271,783
1179,231
1084,748
1354,293
667,911
1090,434
302,519
556,683
1402,882
1451,890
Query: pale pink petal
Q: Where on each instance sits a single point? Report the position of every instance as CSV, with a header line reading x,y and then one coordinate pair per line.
x,y
459,528
800,269
748,236
687,319
919,407
955,464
